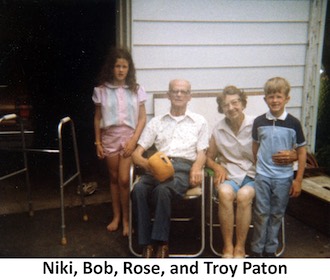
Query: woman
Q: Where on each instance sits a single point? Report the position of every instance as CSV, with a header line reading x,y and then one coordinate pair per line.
x,y
231,144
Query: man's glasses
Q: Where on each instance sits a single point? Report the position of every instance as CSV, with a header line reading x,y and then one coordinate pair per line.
x,y
183,92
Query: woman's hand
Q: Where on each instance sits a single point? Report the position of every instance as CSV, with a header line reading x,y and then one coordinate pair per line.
x,y
285,157
196,176
220,175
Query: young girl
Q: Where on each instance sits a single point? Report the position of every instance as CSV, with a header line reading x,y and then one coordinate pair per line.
x,y
119,119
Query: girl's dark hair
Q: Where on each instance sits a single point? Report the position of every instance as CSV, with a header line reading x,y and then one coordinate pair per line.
x,y
230,90
107,73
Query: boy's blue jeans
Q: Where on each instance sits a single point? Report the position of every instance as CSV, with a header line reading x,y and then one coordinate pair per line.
x,y
272,197
149,194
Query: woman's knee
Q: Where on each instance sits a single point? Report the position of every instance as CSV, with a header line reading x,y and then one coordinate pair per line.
x,y
245,195
226,193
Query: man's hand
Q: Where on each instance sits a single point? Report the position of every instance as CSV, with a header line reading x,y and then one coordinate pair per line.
x,y
196,176
138,159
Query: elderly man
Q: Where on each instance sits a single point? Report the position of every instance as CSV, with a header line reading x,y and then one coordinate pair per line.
x,y
183,137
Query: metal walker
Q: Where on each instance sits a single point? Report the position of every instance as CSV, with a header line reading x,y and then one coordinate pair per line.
x,y
63,181
24,169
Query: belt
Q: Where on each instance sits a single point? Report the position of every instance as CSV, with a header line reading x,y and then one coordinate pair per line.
x,y
179,159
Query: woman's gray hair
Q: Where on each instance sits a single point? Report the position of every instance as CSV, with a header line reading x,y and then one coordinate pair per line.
x,y
230,90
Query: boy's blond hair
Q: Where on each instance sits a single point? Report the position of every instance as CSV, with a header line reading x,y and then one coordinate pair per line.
x,y
277,84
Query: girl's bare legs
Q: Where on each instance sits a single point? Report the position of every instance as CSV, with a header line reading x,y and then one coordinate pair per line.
x,y
119,186
113,164
124,166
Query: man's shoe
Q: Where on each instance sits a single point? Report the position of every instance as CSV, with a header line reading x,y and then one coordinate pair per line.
x,y
162,252
148,251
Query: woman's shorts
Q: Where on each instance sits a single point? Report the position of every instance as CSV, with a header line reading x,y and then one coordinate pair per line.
x,y
248,181
114,139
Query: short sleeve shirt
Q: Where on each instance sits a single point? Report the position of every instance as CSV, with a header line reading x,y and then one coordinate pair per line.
x,y
119,105
274,135
176,138
235,151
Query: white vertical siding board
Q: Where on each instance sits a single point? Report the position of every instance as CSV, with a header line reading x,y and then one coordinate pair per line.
x,y
313,65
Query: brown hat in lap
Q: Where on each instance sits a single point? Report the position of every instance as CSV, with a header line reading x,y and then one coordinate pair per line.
x,y
161,166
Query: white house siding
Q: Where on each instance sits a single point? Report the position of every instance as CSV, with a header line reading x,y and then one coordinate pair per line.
x,y
215,43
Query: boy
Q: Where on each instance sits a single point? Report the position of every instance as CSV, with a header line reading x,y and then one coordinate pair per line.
x,y
272,133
